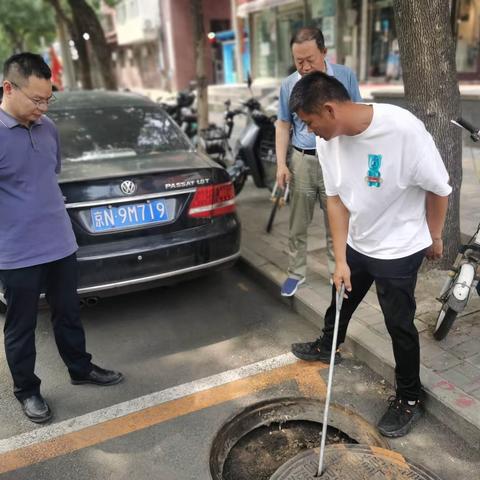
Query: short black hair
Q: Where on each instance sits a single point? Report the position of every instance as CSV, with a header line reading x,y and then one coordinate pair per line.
x,y
23,65
305,34
314,90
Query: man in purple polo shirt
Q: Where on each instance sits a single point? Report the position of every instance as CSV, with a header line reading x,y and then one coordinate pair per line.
x,y
37,244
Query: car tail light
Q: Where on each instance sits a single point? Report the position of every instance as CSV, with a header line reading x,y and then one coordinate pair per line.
x,y
212,201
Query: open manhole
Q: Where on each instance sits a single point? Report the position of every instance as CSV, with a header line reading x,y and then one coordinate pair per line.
x,y
262,437
353,462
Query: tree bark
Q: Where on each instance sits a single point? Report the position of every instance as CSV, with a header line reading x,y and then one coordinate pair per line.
x,y
83,69
85,66
431,89
199,39
87,21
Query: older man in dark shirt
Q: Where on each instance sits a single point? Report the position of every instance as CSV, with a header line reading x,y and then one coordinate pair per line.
x,y
37,244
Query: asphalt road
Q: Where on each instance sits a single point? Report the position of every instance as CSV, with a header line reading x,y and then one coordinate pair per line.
x,y
183,350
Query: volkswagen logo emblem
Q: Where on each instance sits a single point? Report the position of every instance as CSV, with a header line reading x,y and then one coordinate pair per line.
x,y
128,187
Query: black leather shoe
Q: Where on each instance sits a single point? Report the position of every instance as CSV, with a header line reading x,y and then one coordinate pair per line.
x,y
98,376
36,409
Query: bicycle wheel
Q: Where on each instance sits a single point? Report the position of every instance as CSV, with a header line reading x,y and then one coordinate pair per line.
x,y
445,320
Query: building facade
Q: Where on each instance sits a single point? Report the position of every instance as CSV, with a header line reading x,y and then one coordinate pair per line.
x,y
358,33
132,28
153,45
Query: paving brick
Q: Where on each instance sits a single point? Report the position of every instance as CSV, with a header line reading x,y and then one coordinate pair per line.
x,y
457,378
475,394
437,359
475,360
466,349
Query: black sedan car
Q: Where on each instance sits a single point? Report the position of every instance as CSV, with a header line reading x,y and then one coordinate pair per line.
x,y
146,208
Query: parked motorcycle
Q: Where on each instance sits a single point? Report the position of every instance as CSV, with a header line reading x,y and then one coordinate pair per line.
x,y
254,151
182,110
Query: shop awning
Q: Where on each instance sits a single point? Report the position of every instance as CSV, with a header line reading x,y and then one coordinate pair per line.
x,y
255,5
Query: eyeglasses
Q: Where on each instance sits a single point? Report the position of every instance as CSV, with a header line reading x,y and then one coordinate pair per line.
x,y
37,103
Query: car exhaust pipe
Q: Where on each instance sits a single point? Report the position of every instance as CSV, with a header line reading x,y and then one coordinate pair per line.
x,y
91,301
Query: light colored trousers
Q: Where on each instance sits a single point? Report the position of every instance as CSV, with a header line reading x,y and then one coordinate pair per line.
x,y
306,186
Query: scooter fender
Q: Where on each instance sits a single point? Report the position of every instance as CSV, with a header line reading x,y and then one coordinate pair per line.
x,y
461,290
246,149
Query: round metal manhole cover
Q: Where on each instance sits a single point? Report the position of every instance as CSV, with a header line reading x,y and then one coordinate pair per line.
x,y
259,439
352,462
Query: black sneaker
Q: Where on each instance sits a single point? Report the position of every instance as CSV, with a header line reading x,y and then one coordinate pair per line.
x,y
312,351
399,417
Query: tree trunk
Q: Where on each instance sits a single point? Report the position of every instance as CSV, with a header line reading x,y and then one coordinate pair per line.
x,y
88,22
431,89
199,39
83,69
69,82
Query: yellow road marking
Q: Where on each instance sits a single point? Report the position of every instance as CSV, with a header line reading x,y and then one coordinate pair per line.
x,y
305,374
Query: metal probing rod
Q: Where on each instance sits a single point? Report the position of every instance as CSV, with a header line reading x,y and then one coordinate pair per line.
x,y
338,302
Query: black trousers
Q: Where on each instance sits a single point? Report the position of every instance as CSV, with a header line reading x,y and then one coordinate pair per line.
x,y
395,281
22,290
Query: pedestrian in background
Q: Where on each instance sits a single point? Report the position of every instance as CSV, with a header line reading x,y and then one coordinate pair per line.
x,y
304,174
387,189
37,243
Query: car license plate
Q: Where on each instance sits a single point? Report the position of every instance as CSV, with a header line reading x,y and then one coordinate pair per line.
x,y
127,216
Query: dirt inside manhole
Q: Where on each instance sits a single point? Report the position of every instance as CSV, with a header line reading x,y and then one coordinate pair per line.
x,y
257,455
253,443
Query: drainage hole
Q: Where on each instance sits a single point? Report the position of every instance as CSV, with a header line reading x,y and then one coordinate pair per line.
x,y
257,455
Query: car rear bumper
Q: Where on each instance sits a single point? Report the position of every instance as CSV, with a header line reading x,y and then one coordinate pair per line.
x,y
149,262
158,261
139,283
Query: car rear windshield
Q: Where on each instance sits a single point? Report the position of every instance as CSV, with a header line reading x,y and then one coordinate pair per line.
x,y
116,132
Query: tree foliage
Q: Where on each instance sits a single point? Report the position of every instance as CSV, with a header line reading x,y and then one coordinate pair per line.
x,y
25,25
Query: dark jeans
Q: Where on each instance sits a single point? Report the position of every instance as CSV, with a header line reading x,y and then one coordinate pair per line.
x,y
395,281
22,290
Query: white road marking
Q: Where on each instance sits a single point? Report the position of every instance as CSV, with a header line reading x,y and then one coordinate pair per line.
x,y
157,398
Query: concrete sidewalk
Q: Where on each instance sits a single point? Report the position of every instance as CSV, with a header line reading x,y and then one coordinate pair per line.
x,y
450,369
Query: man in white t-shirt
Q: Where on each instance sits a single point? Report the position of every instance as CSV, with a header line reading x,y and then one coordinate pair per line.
x,y
387,196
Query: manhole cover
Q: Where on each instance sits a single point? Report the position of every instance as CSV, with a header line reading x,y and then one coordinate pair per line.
x,y
352,462
262,437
